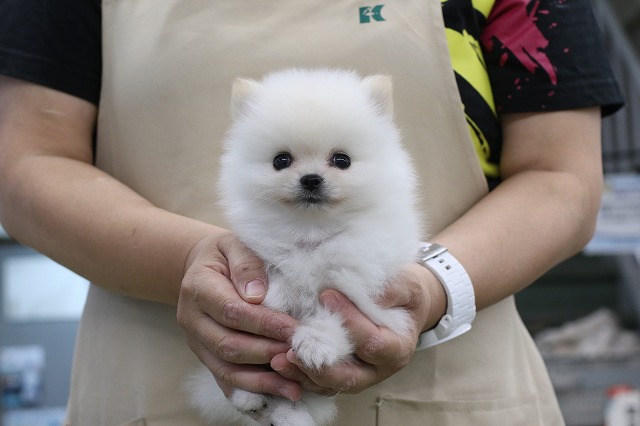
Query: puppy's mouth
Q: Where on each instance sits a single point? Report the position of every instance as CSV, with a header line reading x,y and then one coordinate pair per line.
x,y
311,198
311,201
319,202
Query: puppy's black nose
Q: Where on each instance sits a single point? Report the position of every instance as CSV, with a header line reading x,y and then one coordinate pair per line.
x,y
311,182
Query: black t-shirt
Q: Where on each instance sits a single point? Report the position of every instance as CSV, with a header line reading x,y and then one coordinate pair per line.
x,y
507,55
56,43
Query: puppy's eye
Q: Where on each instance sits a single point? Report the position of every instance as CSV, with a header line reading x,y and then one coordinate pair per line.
x,y
341,161
282,161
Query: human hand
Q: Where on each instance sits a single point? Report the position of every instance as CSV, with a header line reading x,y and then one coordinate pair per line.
x,y
226,327
379,353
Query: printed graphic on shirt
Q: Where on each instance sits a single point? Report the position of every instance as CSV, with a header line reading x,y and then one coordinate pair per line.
x,y
519,36
464,21
534,24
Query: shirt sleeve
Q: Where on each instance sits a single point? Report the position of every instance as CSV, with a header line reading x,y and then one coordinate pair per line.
x,y
55,43
547,55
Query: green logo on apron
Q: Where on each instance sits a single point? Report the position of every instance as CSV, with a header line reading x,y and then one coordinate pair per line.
x,y
368,13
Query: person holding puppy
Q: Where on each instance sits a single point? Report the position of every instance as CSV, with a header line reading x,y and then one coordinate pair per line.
x,y
111,117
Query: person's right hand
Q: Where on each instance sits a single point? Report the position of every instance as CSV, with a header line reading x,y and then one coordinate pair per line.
x,y
227,328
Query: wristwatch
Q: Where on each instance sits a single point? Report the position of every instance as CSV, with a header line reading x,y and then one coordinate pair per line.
x,y
461,303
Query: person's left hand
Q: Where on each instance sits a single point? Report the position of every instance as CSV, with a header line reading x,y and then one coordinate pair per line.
x,y
379,352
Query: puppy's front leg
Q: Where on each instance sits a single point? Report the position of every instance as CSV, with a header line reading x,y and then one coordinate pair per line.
x,y
321,340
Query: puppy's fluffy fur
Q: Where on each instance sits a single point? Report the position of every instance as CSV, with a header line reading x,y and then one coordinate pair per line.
x,y
314,179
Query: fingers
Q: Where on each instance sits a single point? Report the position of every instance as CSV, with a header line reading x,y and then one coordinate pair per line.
x,y
253,378
288,370
234,337
235,356
245,269
212,295
259,320
351,376
208,288
232,345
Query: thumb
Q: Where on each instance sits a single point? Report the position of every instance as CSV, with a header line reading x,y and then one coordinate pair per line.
x,y
246,271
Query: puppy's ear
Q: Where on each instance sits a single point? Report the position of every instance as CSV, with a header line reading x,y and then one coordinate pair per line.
x,y
381,89
241,91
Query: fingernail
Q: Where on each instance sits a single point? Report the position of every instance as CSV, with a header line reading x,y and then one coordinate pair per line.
x,y
330,301
255,289
284,392
278,363
291,356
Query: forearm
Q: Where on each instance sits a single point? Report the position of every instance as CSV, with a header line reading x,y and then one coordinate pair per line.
x,y
89,222
527,225
53,199
542,213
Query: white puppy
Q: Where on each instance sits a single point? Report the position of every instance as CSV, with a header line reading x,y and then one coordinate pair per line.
x,y
315,180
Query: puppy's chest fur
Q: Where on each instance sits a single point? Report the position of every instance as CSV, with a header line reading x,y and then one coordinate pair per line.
x,y
297,276
295,295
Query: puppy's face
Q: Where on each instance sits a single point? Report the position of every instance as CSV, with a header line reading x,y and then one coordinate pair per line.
x,y
311,180
298,171
310,146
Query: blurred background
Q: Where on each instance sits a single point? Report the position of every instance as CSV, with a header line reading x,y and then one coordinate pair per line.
x,y
584,314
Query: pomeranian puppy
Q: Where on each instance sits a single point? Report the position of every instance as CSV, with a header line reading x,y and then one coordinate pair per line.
x,y
315,180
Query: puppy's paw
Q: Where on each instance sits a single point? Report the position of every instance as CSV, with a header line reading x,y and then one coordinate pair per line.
x,y
287,413
248,402
321,341
204,395
322,408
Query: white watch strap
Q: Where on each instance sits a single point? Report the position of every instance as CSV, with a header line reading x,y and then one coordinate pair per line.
x,y
461,304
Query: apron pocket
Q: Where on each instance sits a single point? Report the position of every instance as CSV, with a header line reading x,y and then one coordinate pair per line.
x,y
516,411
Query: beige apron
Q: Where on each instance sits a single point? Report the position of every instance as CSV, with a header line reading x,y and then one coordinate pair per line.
x,y
168,68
